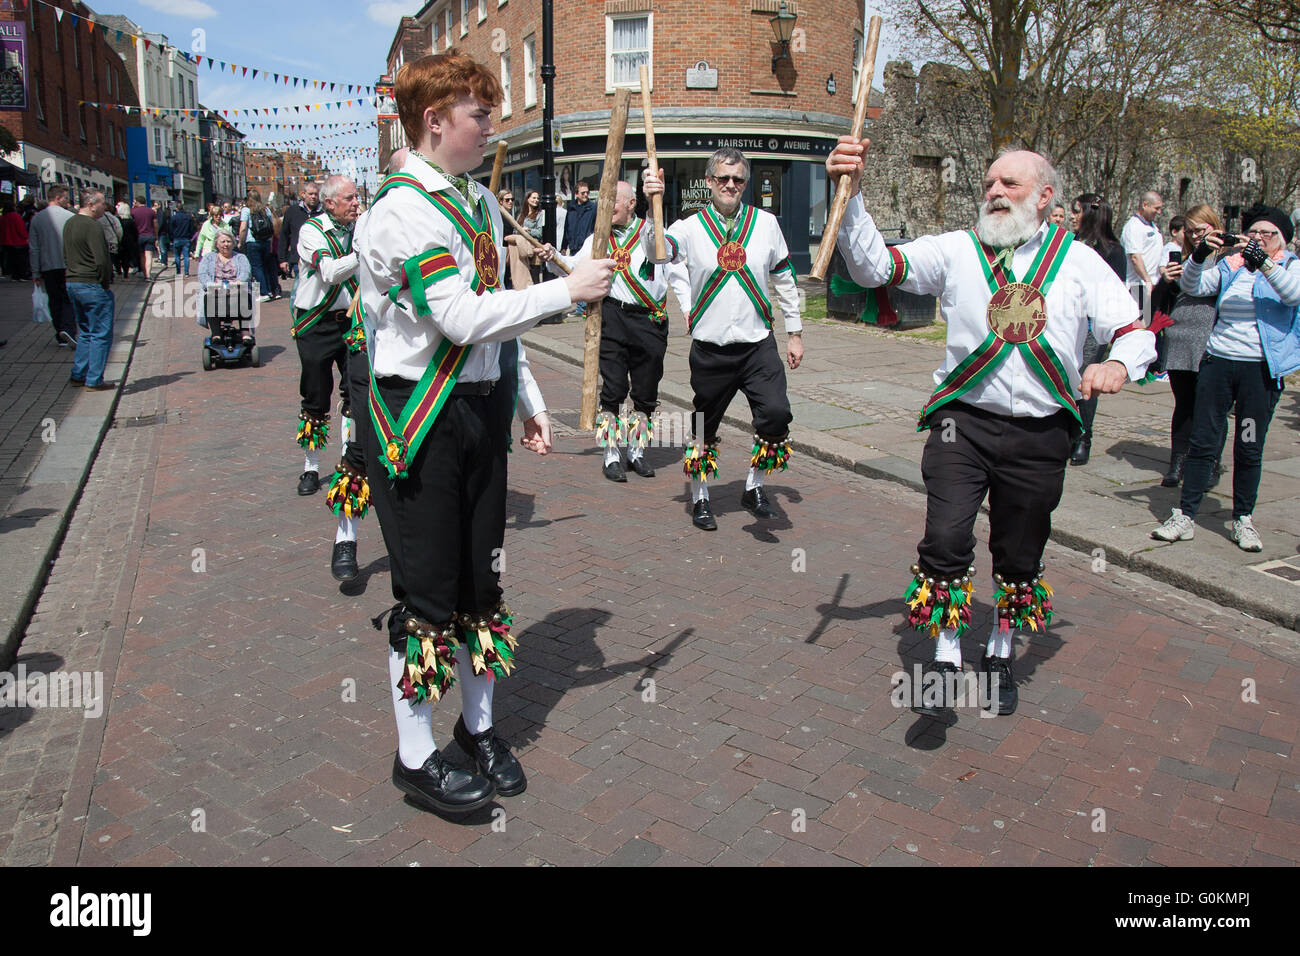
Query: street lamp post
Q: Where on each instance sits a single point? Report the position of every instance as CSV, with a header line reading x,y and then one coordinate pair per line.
x,y
548,117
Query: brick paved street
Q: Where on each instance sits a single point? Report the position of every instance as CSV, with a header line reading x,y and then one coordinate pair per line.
x,y
197,580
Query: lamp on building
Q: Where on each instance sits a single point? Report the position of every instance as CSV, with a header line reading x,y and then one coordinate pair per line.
x,y
783,30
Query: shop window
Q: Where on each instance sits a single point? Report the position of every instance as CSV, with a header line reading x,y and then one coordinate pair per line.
x,y
818,199
629,41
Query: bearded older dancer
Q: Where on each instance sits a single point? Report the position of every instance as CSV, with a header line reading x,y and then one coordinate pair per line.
x,y
1016,294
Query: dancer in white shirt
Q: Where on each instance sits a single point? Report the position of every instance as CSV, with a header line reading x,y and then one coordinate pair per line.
x,y
1004,406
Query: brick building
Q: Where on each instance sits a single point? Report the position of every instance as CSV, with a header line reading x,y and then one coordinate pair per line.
x,y
59,140
222,158
280,174
717,80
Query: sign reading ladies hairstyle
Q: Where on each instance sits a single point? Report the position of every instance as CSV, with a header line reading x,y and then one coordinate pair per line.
x,y
13,65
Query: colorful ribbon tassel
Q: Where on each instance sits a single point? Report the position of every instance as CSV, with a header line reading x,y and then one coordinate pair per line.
x,y
313,431
700,461
609,429
770,455
430,661
1027,604
349,492
939,604
640,430
491,645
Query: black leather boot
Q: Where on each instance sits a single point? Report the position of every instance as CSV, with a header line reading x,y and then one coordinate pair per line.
x,y
493,757
1174,476
441,787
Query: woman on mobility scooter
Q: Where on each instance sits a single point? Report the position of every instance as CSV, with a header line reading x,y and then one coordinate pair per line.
x,y
226,305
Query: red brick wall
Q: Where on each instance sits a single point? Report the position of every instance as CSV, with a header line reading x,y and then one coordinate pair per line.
x,y
52,70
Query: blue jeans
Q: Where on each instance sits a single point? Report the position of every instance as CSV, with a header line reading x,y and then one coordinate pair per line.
x,y
255,250
164,243
93,306
181,255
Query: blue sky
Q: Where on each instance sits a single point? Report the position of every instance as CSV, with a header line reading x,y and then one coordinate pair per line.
x,y
330,40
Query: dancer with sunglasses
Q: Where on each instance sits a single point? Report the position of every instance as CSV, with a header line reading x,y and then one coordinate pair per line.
x,y
730,251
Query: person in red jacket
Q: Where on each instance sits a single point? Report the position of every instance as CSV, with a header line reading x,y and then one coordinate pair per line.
x,y
13,238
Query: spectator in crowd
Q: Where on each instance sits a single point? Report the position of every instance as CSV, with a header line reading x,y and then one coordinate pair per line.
x,y
146,231
1144,247
579,224
128,251
89,275
1183,343
181,227
27,209
307,205
519,251
534,218
1057,218
13,237
163,214
206,241
1254,344
1177,225
1091,218
256,228
112,227
45,248
222,265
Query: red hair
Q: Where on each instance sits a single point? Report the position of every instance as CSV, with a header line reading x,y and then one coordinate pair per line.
x,y
436,82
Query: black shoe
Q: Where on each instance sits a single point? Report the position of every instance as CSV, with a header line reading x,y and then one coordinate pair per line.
x,y
309,483
1174,476
1079,453
756,501
1008,696
923,701
614,471
343,563
493,757
702,516
441,787
63,338
641,468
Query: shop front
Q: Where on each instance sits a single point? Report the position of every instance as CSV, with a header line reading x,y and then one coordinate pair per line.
x,y
787,176
53,169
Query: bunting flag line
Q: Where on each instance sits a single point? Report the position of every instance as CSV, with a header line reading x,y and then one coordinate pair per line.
x,y
230,113
198,58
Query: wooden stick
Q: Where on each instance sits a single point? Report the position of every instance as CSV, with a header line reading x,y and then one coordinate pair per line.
x,y
599,246
510,221
494,184
657,200
842,191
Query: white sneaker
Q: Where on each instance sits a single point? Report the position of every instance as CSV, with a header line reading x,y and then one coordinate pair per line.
x,y
1179,527
1244,533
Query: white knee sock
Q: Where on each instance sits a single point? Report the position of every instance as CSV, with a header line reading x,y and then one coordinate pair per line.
x,y
754,479
947,647
347,529
633,452
414,721
475,693
311,460
347,429
699,490
1000,642
612,453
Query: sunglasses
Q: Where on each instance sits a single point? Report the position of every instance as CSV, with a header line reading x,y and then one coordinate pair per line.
x,y
737,180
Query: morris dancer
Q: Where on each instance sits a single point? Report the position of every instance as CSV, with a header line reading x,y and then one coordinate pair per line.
x,y
443,336
734,348
1003,413
633,339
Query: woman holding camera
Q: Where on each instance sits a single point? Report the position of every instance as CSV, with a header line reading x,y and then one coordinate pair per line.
x,y
1090,218
1184,341
1255,342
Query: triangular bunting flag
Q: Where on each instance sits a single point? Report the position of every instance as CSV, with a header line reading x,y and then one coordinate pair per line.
x,y
245,71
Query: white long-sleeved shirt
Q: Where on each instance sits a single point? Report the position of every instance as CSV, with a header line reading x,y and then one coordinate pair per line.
x,y
320,269
731,316
948,266
402,225
656,286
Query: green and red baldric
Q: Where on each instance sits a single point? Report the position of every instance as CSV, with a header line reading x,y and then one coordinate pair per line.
x,y
402,436
1017,316
732,262
621,253
304,319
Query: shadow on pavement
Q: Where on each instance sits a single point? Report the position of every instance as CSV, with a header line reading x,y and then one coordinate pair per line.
x,y
153,381
24,519
521,509
13,716
357,586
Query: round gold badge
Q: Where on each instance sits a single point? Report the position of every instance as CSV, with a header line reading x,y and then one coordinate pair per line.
x,y
731,256
622,259
486,263
1017,313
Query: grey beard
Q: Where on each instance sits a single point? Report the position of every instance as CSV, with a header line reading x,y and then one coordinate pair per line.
x,y
1005,231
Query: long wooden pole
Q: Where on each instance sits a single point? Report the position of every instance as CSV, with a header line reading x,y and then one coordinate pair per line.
x,y
498,164
657,200
599,246
510,221
843,190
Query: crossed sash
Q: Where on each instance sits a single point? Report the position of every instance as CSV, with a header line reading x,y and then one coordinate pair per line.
x,y
306,318
402,436
1017,315
731,262
621,253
